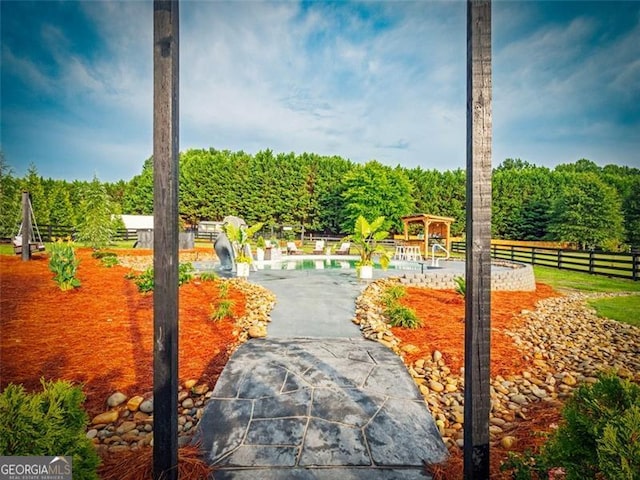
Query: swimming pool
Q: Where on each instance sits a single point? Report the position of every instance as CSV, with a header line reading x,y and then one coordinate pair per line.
x,y
504,275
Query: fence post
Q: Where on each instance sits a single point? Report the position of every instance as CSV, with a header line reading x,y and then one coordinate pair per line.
x,y
559,258
591,261
634,265
533,256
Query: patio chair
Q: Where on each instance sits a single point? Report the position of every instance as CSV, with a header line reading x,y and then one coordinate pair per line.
x,y
344,249
292,249
319,248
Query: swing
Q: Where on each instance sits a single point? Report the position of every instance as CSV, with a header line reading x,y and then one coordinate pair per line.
x,y
35,242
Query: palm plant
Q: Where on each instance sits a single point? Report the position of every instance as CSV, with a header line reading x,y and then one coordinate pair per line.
x,y
365,238
239,237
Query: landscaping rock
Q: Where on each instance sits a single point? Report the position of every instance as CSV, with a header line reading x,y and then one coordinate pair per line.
x,y
106,417
116,399
134,403
147,406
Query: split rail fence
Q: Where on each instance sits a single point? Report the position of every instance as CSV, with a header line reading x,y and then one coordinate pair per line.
x,y
622,265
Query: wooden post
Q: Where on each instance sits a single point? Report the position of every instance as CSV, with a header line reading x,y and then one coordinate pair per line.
x,y
26,227
477,401
165,243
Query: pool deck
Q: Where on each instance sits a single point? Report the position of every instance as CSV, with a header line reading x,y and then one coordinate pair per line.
x,y
315,400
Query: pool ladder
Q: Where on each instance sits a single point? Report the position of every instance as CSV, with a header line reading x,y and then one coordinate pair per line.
x,y
434,260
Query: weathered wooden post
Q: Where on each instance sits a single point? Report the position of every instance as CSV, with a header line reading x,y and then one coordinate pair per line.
x,y
165,244
26,227
477,341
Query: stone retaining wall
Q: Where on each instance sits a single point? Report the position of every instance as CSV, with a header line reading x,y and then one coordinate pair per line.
x,y
518,277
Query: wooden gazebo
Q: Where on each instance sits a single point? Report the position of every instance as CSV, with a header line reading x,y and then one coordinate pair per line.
x,y
435,228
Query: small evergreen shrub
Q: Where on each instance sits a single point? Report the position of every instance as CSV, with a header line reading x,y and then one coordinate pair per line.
x,y
64,265
461,285
397,314
51,423
599,437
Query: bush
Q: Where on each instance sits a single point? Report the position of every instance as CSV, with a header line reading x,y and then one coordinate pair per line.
x,y
223,310
51,422
598,438
397,314
461,285
145,281
64,265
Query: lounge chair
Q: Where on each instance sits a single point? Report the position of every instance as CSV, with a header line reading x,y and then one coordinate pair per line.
x,y
319,248
344,249
292,249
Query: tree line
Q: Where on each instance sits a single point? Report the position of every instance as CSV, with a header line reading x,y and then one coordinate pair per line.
x,y
579,202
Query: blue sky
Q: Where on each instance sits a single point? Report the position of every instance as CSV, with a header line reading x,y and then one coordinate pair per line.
x,y
379,80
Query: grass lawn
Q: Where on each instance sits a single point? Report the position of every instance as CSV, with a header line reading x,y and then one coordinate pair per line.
x,y
567,280
622,309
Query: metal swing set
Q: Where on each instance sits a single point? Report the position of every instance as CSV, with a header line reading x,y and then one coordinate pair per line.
x,y
35,241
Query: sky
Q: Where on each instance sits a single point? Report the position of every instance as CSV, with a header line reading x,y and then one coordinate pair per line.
x,y
382,80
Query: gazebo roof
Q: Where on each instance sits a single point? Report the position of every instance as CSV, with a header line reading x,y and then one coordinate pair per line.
x,y
423,217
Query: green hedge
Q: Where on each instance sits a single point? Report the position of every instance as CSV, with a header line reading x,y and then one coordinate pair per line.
x,y
51,423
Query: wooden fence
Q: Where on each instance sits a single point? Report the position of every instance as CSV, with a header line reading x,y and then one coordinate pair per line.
x,y
622,265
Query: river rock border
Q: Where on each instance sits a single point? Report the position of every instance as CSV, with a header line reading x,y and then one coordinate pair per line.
x,y
518,277
127,424
564,341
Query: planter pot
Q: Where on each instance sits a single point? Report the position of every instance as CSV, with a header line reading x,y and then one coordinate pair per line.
x,y
242,269
260,254
366,272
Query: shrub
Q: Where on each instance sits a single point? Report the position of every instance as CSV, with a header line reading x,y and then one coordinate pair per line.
x,y
461,285
108,259
397,314
208,276
224,310
598,438
224,290
100,254
64,265
145,281
51,422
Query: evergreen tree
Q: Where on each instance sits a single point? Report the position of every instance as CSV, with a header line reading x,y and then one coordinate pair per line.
x,y
10,208
587,212
375,190
97,224
61,212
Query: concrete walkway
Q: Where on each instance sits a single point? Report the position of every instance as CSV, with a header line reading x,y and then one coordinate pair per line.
x,y
315,400
311,303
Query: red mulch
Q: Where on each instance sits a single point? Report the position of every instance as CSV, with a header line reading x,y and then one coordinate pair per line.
x,y
442,315
101,334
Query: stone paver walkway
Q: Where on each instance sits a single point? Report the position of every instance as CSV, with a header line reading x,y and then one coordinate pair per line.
x,y
317,408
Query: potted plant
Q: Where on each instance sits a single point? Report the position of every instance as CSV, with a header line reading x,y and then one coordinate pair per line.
x,y
239,237
365,238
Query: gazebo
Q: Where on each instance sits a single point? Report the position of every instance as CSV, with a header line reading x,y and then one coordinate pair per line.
x,y
436,228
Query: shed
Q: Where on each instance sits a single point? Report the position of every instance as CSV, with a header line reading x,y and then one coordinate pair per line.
x,y
137,222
